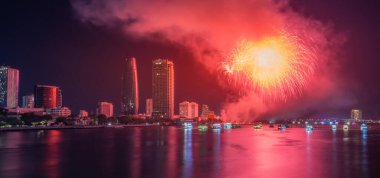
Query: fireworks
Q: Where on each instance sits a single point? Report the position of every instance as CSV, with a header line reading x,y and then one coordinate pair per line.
x,y
276,68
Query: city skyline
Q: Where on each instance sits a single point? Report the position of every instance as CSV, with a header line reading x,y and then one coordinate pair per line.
x,y
77,60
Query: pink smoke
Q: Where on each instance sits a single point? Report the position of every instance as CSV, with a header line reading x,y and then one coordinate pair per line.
x,y
211,29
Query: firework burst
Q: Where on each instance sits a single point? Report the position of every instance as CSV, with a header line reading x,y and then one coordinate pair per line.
x,y
276,68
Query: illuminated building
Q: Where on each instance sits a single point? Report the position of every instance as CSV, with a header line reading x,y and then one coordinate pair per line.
x,y
130,92
105,108
82,114
149,106
28,101
46,96
9,86
356,114
205,110
188,109
61,111
163,88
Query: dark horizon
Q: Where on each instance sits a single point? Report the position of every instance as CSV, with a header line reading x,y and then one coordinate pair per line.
x,y
50,45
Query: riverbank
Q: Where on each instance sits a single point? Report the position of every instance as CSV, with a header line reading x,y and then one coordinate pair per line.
x,y
70,127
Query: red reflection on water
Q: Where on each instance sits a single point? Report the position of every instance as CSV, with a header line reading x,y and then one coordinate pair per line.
x,y
136,164
51,161
172,155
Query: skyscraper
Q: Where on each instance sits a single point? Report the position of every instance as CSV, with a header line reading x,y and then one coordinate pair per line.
x,y
105,108
130,93
47,96
149,106
163,88
9,86
28,101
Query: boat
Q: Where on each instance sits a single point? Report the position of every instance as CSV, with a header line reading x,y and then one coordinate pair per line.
x,y
188,125
281,127
202,127
258,126
235,126
333,127
271,125
227,126
363,127
309,128
216,126
345,127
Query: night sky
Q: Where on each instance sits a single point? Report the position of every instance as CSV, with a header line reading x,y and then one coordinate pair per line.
x,y
49,45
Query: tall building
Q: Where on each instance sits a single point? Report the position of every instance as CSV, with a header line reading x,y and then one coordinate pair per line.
x,y
163,88
356,114
28,101
130,93
105,108
149,106
46,96
9,86
188,109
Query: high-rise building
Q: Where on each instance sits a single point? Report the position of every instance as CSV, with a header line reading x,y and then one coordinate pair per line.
x,y
163,88
130,93
188,109
149,106
105,108
46,96
28,101
9,86
356,114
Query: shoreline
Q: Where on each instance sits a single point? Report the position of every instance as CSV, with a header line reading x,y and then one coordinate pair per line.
x,y
71,127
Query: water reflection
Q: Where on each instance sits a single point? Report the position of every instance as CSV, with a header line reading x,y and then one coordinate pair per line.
x,y
172,152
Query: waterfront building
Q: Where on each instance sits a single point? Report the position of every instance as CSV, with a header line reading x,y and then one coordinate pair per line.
x,y
149,107
356,114
46,96
188,109
130,90
9,87
28,101
105,108
61,111
163,88
82,114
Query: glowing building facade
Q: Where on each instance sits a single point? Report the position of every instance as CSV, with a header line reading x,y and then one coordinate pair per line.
x,y
105,108
356,114
163,88
188,110
149,106
28,101
130,93
46,96
9,87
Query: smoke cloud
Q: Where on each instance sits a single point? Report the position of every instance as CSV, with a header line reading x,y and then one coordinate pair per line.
x,y
211,29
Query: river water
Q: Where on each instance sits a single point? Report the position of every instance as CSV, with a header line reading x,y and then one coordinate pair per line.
x,y
172,152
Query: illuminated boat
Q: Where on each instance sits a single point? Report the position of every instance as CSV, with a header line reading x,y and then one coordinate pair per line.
x,y
309,128
235,126
282,127
333,127
216,126
227,126
363,127
345,127
258,126
202,127
188,125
